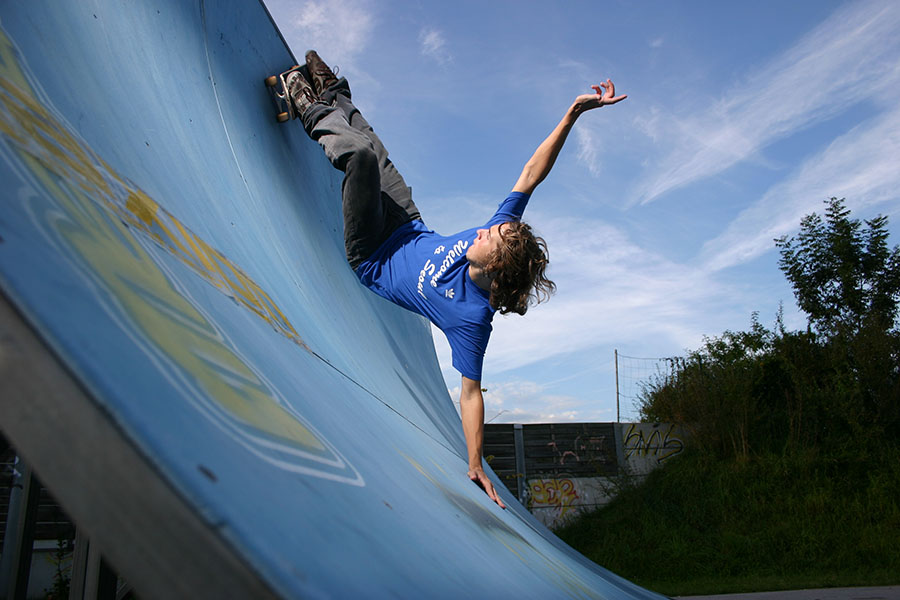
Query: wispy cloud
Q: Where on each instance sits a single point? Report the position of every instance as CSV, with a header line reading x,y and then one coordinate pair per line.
x,y
434,45
850,57
588,149
610,290
861,165
522,401
338,29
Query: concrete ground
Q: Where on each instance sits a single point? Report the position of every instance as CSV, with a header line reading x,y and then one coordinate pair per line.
x,y
855,593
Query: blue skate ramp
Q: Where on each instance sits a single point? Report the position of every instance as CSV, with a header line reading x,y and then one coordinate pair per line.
x,y
185,356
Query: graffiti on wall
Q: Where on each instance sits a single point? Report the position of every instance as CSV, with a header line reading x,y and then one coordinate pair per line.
x,y
108,235
569,449
560,495
582,449
575,467
652,441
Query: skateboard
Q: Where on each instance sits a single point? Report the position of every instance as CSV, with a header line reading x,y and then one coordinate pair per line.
x,y
277,86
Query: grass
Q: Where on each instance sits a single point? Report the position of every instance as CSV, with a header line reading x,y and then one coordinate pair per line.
x,y
704,525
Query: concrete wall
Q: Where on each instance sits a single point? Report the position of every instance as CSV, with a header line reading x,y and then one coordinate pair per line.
x,y
562,470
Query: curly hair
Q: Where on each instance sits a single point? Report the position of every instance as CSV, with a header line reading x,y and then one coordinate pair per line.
x,y
517,267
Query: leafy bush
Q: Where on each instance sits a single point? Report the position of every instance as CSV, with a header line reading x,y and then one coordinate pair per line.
x,y
791,477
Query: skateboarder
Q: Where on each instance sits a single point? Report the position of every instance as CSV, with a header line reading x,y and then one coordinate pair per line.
x,y
457,281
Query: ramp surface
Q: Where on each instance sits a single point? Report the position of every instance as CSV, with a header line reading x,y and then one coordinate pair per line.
x,y
188,361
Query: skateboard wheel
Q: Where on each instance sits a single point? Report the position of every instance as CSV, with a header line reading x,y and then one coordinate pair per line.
x,y
272,81
282,117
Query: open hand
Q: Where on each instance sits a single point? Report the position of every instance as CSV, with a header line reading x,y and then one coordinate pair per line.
x,y
480,477
605,94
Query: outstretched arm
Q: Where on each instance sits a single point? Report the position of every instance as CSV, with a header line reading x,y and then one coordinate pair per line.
x,y
537,168
471,408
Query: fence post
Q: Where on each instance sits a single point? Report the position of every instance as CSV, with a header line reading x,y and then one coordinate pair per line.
x,y
616,357
520,461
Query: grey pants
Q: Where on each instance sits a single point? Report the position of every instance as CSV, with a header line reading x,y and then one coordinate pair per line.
x,y
376,200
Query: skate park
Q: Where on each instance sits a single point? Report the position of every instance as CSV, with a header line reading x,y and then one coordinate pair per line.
x,y
197,376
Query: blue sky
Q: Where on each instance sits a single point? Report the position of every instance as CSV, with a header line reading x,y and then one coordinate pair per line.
x,y
661,210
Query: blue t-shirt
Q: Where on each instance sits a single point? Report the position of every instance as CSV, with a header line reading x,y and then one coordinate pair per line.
x,y
428,274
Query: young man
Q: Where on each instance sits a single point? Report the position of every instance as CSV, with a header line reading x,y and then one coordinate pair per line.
x,y
457,282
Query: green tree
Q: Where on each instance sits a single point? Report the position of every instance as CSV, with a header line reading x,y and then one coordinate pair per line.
x,y
834,388
845,277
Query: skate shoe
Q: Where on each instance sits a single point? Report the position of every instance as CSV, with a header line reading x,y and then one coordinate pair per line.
x,y
300,92
321,75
